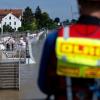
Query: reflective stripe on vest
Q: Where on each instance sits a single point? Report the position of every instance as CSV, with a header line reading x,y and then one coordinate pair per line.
x,y
78,57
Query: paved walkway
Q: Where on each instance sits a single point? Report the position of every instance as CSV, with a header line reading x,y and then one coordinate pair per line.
x,y
28,77
28,83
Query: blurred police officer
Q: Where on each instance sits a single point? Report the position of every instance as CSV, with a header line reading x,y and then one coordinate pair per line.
x,y
50,83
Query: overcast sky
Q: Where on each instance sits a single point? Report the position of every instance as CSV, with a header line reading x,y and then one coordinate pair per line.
x,y
64,9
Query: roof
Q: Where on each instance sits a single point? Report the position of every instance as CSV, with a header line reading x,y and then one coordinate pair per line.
x,y
15,12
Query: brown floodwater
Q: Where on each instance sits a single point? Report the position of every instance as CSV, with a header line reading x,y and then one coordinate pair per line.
x,y
9,94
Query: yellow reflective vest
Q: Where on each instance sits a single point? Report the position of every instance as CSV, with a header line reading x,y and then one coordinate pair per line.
x,y
78,57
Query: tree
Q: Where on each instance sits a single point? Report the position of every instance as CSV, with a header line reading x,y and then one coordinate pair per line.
x,y
21,29
38,13
51,24
27,16
34,25
43,20
7,28
29,21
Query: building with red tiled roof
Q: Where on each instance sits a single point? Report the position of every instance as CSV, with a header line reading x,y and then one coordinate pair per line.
x,y
15,12
11,17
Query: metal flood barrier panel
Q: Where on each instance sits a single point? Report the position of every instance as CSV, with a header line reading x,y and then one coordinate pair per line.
x,y
9,75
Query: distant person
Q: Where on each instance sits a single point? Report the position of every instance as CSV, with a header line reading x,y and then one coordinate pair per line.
x,y
7,46
52,83
12,45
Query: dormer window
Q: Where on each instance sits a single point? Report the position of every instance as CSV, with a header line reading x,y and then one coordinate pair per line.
x,y
9,17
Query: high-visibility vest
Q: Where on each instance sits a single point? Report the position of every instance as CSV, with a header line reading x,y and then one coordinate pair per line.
x,y
77,56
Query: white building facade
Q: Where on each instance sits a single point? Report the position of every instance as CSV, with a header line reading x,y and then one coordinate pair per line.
x,y
12,21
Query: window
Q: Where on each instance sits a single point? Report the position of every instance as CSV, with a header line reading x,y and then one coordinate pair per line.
x,y
5,23
14,23
9,23
10,17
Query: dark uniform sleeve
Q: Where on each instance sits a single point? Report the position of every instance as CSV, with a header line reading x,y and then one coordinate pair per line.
x,y
45,63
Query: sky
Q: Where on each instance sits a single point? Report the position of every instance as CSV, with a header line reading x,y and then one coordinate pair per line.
x,y
64,9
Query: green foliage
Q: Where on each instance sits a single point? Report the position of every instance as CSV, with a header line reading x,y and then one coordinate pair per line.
x,y
51,24
21,29
43,20
28,21
34,25
7,28
27,16
38,13
36,21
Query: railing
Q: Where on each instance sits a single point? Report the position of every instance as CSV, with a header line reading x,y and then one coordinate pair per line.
x,y
11,61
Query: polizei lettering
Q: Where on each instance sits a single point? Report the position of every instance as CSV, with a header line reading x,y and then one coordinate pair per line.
x,y
71,48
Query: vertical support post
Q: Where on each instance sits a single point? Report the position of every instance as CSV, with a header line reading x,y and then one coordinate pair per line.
x,y
68,89
19,66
